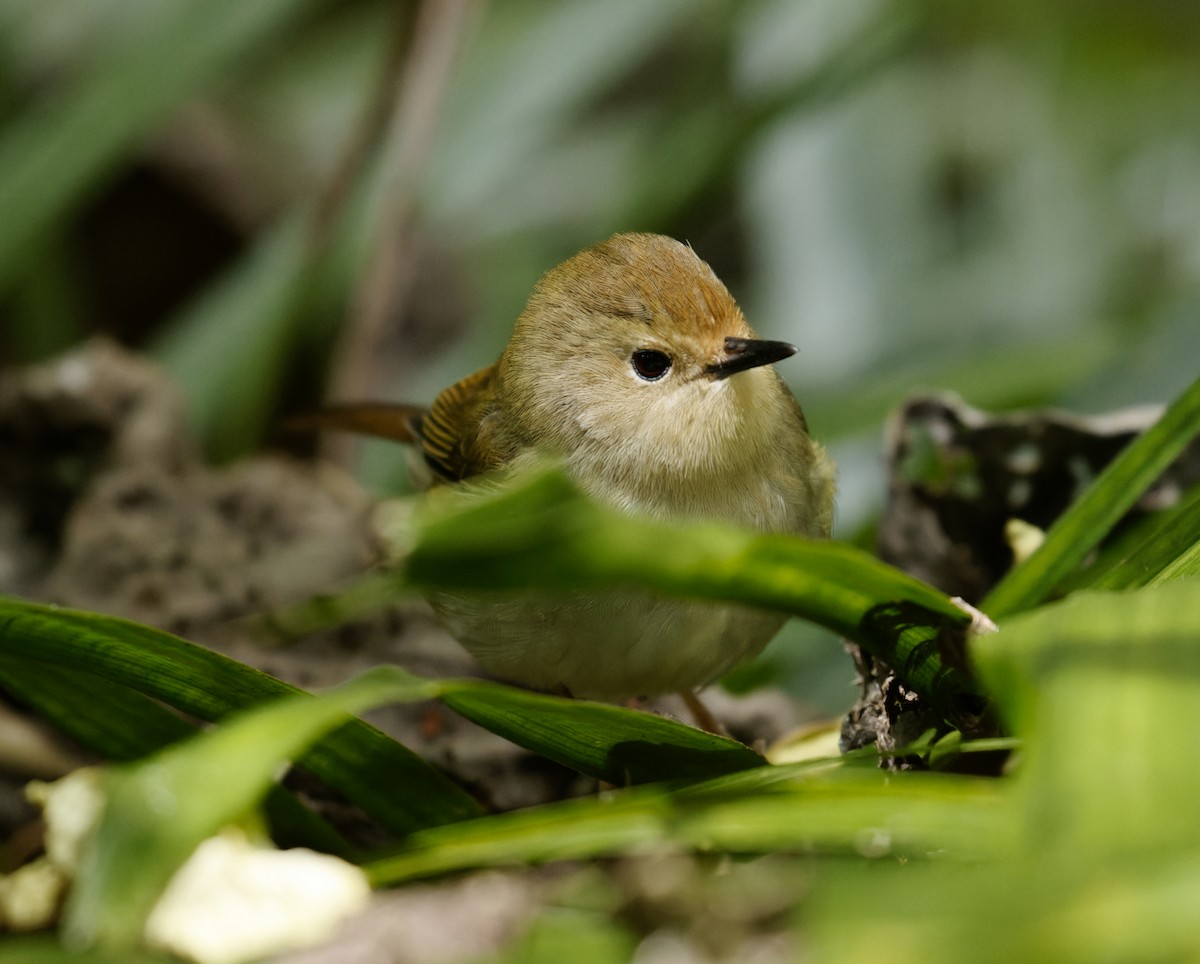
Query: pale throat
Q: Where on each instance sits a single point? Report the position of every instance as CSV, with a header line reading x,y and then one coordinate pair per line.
x,y
693,455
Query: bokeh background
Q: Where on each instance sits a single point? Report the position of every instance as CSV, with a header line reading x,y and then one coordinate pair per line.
x,y
290,201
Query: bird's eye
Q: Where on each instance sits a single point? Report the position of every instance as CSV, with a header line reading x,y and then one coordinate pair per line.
x,y
649,364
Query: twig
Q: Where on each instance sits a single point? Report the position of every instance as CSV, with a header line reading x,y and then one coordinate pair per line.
x,y
406,128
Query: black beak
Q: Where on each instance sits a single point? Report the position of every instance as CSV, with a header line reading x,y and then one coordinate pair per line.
x,y
745,353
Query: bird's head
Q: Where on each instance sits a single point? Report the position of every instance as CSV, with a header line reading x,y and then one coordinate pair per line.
x,y
634,357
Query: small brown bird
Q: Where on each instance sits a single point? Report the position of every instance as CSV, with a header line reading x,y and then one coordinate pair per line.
x,y
632,365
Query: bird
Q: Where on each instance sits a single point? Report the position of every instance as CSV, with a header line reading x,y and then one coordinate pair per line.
x,y
633,367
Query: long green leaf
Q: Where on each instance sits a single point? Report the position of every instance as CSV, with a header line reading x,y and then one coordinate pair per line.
x,y
157,811
1079,530
114,720
121,724
52,155
1030,909
608,742
1166,549
1104,687
391,783
540,531
838,811
611,743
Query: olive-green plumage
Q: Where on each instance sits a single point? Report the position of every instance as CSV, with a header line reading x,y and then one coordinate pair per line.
x,y
631,364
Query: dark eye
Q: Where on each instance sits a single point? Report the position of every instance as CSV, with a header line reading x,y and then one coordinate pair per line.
x,y
649,364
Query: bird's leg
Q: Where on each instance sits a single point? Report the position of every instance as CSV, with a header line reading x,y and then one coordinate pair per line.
x,y
701,713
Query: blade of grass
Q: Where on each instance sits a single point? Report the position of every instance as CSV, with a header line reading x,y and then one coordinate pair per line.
x,y
607,742
1184,565
121,724
391,783
157,811
843,811
1103,687
1168,551
1105,683
1092,516
540,531
115,721
613,744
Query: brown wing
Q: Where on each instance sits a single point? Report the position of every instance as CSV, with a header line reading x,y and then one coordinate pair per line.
x,y
451,440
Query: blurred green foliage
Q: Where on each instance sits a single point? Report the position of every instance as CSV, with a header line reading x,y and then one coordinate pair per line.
x,y
997,197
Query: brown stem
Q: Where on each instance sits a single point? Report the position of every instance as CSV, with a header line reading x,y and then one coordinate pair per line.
x,y
406,120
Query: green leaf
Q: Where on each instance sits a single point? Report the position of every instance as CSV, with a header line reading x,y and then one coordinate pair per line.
x,y
1104,687
114,720
607,742
53,154
391,783
121,724
613,744
1027,909
826,808
1081,528
157,811
539,530
1167,546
